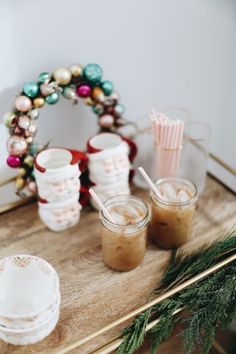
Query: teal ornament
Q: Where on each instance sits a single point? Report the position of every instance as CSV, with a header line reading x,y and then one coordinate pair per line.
x,y
53,98
44,77
98,109
31,89
93,73
119,109
69,92
107,87
34,148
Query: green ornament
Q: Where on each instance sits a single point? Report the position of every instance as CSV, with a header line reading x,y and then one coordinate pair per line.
x,y
107,87
9,119
69,92
34,148
119,109
53,98
31,89
93,73
98,109
44,77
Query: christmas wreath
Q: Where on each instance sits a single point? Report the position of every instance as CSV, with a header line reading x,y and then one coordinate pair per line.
x,y
72,83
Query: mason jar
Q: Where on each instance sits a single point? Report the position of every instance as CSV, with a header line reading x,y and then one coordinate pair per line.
x,y
171,220
124,242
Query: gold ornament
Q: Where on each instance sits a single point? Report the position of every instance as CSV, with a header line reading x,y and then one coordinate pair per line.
x,y
89,101
39,102
29,160
62,75
21,172
20,183
77,70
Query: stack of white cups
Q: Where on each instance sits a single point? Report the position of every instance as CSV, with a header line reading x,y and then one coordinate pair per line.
x,y
29,299
57,176
109,165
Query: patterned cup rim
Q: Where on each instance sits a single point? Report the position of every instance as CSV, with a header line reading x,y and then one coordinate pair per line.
x,y
24,260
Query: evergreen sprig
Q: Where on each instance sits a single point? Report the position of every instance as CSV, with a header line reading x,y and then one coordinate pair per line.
x,y
207,304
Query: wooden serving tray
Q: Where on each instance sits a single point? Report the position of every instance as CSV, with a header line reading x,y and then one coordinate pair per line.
x,y
93,295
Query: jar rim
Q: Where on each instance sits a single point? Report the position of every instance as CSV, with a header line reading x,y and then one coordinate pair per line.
x,y
141,223
177,179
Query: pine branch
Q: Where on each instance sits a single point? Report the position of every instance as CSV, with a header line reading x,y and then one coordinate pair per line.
x,y
134,335
184,267
209,303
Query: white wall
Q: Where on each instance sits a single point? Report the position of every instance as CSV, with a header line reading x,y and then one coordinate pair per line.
x,y
157,52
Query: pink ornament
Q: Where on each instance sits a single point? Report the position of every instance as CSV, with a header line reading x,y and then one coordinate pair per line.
x,y
13,161
16,145
23,122
32,187
83,91
46,90
106,121
23,103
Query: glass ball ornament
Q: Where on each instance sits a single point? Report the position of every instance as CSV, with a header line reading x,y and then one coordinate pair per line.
x,y
44,77
39,102
9,119
119,110
106,121
32,129
83,91
19,183
62,75
34,114
16,145
31,89
34,148
32,187
98,109
53,98
46,89
29,139
98,94
93,73
107,87
115,96
23,103
21,172
24,122
29,161
13,161
69,93
88,101
76,70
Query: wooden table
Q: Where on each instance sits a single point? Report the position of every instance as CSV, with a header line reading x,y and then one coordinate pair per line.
x,y
92,294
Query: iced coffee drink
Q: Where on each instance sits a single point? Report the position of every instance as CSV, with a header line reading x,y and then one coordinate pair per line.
x,y
172,212
124,242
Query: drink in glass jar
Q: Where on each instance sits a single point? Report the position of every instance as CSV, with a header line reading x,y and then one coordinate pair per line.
x,y
124,242
172,212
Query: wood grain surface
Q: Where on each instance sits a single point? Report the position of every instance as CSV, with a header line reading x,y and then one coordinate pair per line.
x,y
92,294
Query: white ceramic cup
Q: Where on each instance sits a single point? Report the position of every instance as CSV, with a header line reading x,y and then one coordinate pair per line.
x,y
109,164
29,289
57,173
61,215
